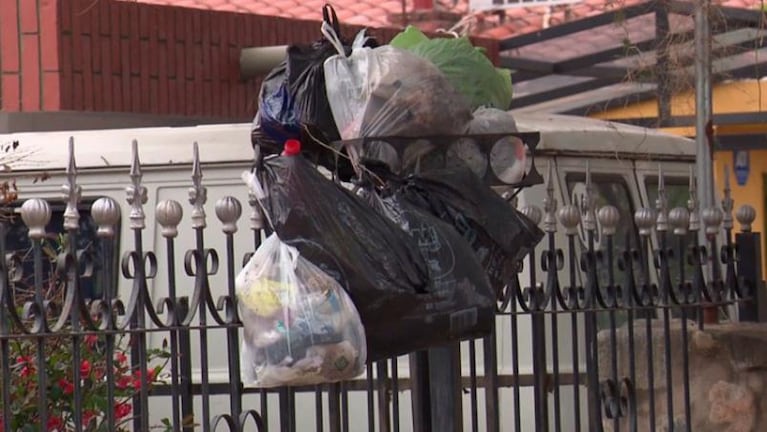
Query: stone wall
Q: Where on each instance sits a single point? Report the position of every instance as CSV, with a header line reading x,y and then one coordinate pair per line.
x,y
727,367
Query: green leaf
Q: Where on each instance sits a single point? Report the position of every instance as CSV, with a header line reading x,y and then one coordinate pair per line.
x,y
465,66
408,38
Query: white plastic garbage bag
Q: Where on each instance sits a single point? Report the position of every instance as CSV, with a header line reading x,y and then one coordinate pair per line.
x,y
300,326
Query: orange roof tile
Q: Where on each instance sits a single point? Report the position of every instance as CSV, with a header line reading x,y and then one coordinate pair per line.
x,y
385,13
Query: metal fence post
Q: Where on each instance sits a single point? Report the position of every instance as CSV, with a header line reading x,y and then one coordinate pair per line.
x,y
749,268
445,388
419,391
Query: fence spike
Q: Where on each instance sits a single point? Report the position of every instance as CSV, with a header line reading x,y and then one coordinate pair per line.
x,y
550,203
727,201
587,203
136,192
661,204
198,194
228,211
106,213
36,213
692,203
71,191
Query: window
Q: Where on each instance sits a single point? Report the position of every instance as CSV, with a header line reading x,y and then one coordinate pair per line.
x,y
17,240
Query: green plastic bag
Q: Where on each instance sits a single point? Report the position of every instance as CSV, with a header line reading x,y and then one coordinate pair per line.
x,y
465,66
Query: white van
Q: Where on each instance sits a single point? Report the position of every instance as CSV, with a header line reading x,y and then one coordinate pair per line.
x,y
623,160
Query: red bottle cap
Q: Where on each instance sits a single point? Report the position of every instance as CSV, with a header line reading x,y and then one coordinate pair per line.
x,y
292,147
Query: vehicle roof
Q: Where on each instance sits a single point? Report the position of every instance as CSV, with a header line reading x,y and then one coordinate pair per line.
x,y
583,134
226,143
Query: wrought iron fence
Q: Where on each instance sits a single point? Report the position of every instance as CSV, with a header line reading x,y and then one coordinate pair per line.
x,y
565,354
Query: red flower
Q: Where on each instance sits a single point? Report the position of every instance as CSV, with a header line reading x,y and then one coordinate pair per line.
x,y
85,368
90,340
150,377
55,423
121,358
98,373
122,410
137,380
88,415
123,382
27,371
67,387
23,359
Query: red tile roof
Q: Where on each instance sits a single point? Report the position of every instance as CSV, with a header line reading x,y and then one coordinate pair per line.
x,y
388,13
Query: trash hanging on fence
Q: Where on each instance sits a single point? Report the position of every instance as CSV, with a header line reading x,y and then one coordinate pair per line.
x,y
402,307
387,91
466,67
293,100
453,266
420,250
499,234
300,326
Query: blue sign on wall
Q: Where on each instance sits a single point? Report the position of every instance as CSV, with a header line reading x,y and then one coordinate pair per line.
x,y
742,166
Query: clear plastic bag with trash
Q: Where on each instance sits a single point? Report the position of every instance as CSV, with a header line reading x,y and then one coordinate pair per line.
x,y
387,91
300,326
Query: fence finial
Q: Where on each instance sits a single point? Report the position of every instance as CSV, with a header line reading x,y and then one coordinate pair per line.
x,y
587,203
71,191
198,194
712,219
256,215
645,220
228,211
679,219
533,213
550,203
36,213
745,215
692,203
661,204
608,216
569,216
136,192
727,202
106,214
169,214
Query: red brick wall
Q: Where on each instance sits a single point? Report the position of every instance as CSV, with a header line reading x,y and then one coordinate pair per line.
x,y
108,56
29,61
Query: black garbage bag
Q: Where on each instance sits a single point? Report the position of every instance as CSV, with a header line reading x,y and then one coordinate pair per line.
x,y
377,263
277,119
453,266
498,233
293,102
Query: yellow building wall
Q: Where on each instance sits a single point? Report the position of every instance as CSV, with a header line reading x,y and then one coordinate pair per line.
x,y
731,97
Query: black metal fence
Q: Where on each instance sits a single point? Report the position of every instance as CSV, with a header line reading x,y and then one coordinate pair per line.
x,y
578,331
